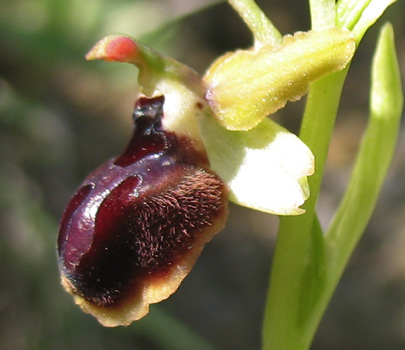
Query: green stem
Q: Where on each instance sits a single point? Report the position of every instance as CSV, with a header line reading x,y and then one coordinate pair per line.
x,y
289,323
308,265
297,275
323,13
263,30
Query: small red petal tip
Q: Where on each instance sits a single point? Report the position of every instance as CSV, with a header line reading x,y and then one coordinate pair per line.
x,y
121,49
114,48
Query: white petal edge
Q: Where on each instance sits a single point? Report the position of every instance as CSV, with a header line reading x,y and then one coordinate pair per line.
x,y
265,168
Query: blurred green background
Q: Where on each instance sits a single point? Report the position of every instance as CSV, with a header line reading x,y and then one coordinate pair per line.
x,y
60,117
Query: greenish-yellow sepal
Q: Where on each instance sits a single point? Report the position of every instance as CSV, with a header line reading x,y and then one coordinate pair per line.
x,y
245,86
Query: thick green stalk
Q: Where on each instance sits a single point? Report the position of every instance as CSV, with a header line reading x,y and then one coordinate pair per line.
x,y
288,322
297,271
307,266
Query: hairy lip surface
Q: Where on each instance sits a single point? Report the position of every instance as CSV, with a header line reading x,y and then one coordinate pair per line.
x,y
135,227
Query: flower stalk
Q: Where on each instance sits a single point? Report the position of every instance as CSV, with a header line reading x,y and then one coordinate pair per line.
x,y
308,264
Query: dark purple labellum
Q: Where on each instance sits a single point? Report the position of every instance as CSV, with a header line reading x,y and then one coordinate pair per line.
x,y
136,225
